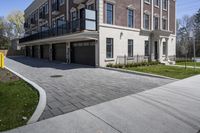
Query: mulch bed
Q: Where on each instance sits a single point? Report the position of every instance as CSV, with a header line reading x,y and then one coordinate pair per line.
x,y
7,76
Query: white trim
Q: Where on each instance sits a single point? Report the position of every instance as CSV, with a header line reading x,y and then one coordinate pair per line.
x,y
42,98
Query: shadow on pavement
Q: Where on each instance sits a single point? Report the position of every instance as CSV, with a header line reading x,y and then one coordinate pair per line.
x,y
42,63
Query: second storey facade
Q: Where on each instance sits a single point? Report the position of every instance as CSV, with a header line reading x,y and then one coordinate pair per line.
x,y
98,32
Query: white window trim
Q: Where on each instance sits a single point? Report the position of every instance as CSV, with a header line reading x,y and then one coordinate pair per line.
x,y
133,17
146,2
113,3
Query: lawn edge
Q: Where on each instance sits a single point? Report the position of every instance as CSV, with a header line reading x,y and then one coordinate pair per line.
x,y
42,98
138,73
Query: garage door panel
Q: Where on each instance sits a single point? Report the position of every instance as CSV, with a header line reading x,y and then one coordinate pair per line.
x,y
35,51
83,55
44,51
59,52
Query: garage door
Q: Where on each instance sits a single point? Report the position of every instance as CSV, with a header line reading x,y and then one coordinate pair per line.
x,y
59,52
35,51
44,51
83,53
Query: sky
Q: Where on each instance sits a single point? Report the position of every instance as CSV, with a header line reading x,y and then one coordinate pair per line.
x,y
184,7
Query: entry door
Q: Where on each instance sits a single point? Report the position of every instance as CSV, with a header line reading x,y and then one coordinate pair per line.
x,y
156,50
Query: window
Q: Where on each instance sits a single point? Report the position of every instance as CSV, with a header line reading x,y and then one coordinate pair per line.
x,y
130,18
61,2
109,48
130,48
53,23
146,48
109,13
164,48
74,15
91,7
146,21
147,1
165,4
157,3
46,8
156,23
164,24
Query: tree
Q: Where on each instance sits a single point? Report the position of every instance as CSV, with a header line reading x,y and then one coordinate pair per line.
x,y
197,32
16,19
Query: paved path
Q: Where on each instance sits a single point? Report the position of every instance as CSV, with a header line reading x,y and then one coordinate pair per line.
x,y
79,86
172,108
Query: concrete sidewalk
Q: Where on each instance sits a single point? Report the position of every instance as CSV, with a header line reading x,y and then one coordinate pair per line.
x,y
173,108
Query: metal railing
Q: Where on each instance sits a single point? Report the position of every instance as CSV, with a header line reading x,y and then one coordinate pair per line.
x,y
130,60
62,29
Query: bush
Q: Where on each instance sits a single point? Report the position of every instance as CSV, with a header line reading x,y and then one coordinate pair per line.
x,y
133,64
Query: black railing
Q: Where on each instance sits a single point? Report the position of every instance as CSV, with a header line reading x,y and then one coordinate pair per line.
x,y
42,15
61,29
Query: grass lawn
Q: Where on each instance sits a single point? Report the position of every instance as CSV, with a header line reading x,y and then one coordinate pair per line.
x,y
188,63
169,71
18,101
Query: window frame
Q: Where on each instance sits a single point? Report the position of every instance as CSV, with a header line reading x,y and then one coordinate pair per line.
x,y
109,42
165,8
166,27
112,13
132,17
154,24
144,21
132,48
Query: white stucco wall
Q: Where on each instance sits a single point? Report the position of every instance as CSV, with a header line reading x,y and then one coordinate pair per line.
x,y
120,43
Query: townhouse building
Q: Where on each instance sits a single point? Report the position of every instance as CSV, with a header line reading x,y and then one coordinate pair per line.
x,y
98,32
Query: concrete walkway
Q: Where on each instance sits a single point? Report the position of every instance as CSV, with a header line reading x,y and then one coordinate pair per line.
x,y
172,108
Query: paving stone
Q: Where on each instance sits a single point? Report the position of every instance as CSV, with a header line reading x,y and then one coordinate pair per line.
x,y
80,86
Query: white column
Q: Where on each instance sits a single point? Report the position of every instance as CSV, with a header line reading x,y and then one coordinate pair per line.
x,y
152,13
67,10
168,18
167,48
97,53
161,16
160,49
142,13
50,52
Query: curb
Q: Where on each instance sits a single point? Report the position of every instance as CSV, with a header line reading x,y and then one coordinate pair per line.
x,y
42,98
138,73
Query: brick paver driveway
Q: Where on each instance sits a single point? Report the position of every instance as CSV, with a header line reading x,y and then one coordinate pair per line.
x,y
73,87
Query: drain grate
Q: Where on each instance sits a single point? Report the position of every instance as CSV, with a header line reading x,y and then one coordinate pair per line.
x,y
56,76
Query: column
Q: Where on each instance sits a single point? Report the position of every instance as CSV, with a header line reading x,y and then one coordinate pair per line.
x,y
167,48
168,18
161,16
68,52
152,13
31,51
39,52
96,53
50,52
142,13
160,45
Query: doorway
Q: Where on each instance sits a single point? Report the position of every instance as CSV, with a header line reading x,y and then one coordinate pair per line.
x,y
156,50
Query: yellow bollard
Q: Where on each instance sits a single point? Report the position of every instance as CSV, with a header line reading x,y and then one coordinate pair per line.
x,y
1,60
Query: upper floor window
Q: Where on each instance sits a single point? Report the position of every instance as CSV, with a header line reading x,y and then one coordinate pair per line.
x,y
61,2
157,3
91,7
109,13
164,24
146,21
46,8
147,1
130,48
73,15
165,4
156,23
130,18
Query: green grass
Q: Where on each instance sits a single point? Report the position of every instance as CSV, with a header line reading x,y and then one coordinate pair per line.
x,y
169,71
188,63
17,100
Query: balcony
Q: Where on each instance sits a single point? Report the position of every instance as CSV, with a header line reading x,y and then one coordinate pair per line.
x,y
66,27
33,22
55,8
42,16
